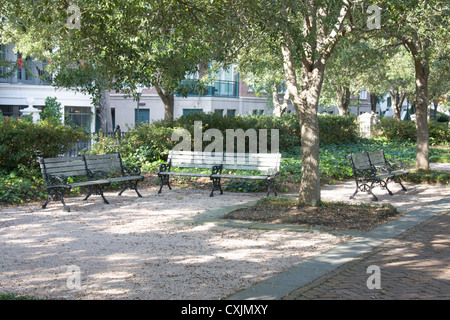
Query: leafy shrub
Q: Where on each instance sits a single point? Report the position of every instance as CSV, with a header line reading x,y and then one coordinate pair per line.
x,y
406,131
443,118
335,129
332,129
52,111
15,189
395,130
148,143
439,133
22,142
140,146
103,145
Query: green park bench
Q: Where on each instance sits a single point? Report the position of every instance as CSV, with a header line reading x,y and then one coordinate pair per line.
x,y
95,172
371,169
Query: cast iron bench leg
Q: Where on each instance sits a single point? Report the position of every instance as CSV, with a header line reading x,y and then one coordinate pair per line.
x,y
53,195
270,186
130,185
164,180
216,183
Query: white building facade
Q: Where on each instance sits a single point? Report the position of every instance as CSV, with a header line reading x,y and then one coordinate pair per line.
x,y
227,95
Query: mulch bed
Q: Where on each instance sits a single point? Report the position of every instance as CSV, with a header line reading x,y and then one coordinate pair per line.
x,y
335,216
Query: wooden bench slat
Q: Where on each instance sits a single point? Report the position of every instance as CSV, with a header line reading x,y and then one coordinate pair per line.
x,y
192,174
65,164
249,168
68,172
98,167
89,183
79,166
102,156
62,159
234,176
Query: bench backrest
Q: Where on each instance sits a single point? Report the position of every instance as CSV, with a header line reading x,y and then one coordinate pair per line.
x,y
105,162
377,158
360,161
262,162
67,166
361,165
194,159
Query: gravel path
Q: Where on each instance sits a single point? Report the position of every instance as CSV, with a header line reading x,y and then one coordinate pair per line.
x,y
130,250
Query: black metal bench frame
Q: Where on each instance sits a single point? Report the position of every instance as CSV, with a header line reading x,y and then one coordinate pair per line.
x,y
369,174
56,172
94,170
218,162
379,161
111,168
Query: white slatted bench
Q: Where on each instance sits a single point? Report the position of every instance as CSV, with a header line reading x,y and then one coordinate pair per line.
x,y
253,166
56,172
188,159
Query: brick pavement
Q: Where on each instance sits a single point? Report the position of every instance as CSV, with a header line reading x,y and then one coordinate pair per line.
x,y
413,265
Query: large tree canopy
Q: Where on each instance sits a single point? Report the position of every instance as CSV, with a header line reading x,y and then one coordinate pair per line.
x,y
130,43
156,43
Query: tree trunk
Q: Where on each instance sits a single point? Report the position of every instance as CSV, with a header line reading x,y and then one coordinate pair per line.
x,y
279,108
306,104
343,98
397,100
314,56
373,103
276,102
105,116
168,100
423,135
436,104
422,71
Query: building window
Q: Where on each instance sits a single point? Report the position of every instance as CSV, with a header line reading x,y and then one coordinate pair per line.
x,y
78,117
3,57
363,95
231,113
258,112
144,116
218,111
188,111
12,111
7,111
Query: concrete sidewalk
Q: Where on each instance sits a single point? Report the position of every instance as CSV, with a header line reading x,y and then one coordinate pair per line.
x,y
412,255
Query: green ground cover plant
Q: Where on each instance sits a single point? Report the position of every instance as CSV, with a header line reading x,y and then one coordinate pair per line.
x,y
21,143
148,145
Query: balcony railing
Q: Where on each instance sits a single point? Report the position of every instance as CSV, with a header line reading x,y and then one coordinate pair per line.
x,y
229,89
31,73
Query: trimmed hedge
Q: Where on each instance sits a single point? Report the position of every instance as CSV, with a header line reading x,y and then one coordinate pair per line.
x,y
151,143
395,130
22,142
334,129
